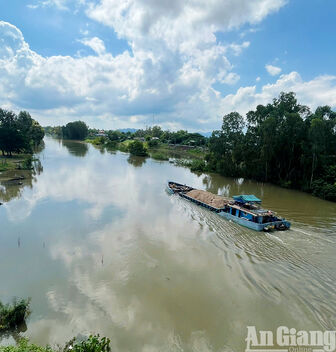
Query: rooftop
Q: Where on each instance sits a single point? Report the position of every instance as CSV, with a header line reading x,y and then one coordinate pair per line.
x,y
247,198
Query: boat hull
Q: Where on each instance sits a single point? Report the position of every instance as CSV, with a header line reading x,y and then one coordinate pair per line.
x,y
275,225
280,224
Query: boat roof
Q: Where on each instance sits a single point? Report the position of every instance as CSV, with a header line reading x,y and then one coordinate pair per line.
x,y
247,198
254,212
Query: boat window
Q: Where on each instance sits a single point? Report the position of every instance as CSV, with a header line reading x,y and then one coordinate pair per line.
x,y
266,219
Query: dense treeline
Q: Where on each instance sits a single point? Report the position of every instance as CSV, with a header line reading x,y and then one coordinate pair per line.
x,y
72,130
18,133
79,130
282,143
181,137
172,137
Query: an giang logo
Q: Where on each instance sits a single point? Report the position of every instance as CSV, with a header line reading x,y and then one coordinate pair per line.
x,y
289,340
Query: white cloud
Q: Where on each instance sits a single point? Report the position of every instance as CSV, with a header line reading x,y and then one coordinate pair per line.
x,y
114,88
231,78
177,20
173,64
248,31
319,91
238,48
59,4
96,44
258,79
273,70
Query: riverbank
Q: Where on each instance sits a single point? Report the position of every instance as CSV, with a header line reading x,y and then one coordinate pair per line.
x,y
197,160
91,343
97,229
16,162
161,151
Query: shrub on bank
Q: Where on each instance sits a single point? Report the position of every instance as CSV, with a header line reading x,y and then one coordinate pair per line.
x,y
93,343
97,141
13,315
159,156
25,346
322,189
123,146
152,143
137,148
197,165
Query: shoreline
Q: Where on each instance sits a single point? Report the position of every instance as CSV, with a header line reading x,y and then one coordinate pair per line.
x,y
15,162
189,158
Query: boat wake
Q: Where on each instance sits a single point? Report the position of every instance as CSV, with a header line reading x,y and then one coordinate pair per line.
x,y
280,266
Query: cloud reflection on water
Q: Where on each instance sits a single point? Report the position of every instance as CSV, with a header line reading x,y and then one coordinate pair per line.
x,y
152,271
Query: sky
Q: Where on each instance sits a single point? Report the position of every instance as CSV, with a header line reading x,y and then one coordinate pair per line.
x,y
174,63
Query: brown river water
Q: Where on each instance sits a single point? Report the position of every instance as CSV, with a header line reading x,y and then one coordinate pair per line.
x,y
100,247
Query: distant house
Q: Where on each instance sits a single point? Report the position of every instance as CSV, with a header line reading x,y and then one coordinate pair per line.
x,y
155,138
141,139
101,133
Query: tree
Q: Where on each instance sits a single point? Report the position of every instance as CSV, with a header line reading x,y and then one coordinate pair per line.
x,y
18,133
30,128
75,130
137,148
284,143
226,145
12,139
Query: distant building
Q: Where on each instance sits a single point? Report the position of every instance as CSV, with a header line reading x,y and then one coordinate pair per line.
x,y
101,133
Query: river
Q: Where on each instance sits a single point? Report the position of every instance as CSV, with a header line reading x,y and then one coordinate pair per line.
x,y
100,247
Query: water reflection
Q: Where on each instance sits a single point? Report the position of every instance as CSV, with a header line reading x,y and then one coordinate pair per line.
x,y
13,334
76,148
136,161
104,249
13,182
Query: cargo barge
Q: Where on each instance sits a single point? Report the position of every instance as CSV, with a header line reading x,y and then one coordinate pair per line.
x,y
245,210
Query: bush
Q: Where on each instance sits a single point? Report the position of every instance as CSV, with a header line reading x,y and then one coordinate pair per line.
x,y
137,148
13,315
159,156
197,165
111,144
93,344
98,141
27,163
153,143
324,190
24,346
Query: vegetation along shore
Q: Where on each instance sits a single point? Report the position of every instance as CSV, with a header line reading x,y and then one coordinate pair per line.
x,y
19,136
283,143
13,321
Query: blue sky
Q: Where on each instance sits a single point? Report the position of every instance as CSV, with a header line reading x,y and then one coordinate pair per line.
x,y
115,64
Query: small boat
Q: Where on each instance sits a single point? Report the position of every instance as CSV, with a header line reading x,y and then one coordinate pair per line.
x,y
243,209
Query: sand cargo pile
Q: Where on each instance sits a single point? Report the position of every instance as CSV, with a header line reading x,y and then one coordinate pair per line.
x,y
244,209
208,198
